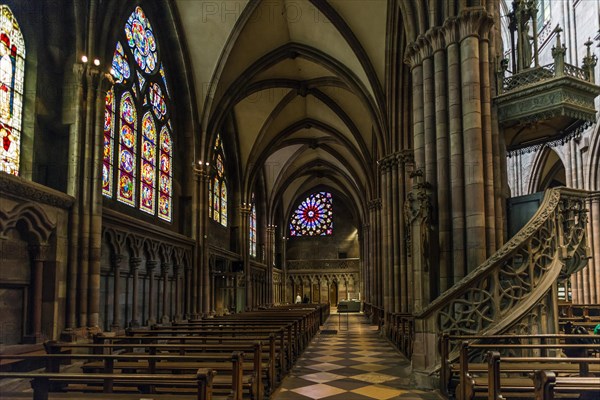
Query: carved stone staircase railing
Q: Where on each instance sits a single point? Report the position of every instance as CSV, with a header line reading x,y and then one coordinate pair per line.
x,y
514,283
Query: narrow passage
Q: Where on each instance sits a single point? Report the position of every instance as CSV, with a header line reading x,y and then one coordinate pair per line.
x,y
354,364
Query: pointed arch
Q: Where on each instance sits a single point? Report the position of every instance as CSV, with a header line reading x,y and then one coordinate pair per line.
x,y
218,184
138,148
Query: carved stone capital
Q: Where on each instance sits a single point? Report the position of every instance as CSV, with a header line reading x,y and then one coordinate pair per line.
x,y
412,55
436,38
474,22
134,263
116,260
450,31
39,252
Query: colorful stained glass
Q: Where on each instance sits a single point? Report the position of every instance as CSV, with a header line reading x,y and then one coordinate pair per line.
x,y
128,112
252,234
109,143
120,66
219,185
127,150
165,177
141,40
164,78
12,63
141,80
314,216
210,199
223,204
148,169
133,145
159,106
216,202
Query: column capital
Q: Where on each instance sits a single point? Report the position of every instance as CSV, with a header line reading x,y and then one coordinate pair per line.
x,y
450,31
201,170
116,259
151,264
164,267
39,251
135,263
474,22
412,55
435,36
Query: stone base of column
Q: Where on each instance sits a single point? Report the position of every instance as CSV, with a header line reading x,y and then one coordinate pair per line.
x,y
151,322
165,320
33,339
134,324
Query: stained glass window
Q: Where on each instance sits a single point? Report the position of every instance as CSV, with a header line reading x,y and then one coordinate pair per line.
x,y
218,185
252,238
137,119
109,144
314,216
12,64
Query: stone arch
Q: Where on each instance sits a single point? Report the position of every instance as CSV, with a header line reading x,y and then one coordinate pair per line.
x,y
548,171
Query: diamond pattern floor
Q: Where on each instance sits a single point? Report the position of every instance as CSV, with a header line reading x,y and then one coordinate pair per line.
x,y
354,364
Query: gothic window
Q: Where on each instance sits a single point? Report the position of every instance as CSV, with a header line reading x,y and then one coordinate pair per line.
x,y
313,216
252,237
543,13
12,66
138,148
217,186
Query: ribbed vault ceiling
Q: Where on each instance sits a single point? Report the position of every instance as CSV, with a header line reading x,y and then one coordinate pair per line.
x,y
302,81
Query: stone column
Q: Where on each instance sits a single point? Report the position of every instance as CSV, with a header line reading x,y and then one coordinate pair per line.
x,y
456,170
165,319
395,237
403,158
39,254
104,81
245,210
385,228
442,200
75,138
270,253
177,275
150,265
476,249
135,262
486,123
188,291
116,265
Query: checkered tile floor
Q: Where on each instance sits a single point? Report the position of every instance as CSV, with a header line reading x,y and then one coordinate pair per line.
x,y
354,364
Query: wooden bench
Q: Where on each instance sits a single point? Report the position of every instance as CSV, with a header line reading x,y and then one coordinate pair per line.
x,y
548,385
495,379
543,345
43,382
234,375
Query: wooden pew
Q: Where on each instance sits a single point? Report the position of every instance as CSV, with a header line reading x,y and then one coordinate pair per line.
x,y
234,374
43,382
492,385
548,385
547,345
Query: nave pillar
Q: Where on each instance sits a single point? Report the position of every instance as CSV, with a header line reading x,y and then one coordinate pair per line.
x,y
376,281
245,210
84,181
456,149
270,260
200,273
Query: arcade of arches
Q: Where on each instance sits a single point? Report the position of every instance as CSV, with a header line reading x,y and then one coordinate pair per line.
x,y
164,160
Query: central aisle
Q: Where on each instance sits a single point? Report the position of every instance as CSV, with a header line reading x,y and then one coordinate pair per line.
x,y
354,364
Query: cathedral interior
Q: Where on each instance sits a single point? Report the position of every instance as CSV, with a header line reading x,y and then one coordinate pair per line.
x,y
431,166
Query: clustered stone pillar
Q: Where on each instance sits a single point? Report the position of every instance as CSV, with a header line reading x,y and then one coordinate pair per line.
x,y
245,210
270,260
83,183
455,147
